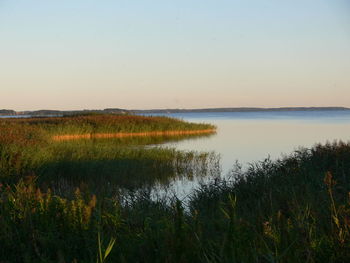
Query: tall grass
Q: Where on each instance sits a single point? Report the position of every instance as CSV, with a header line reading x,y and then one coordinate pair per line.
x,y
100,165
63,201
295,209
93,124
26,149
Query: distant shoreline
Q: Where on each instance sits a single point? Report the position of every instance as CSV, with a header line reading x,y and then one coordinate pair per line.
x,y
48,113
243,109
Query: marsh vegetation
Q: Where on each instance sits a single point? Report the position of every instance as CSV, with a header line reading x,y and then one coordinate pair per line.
x,y
88,200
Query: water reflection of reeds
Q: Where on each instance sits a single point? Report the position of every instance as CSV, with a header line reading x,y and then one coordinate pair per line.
x,y
97,164
130,168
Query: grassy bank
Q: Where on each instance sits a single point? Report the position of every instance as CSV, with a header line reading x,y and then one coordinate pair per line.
x,y
102,124
81,200
27,148
99,165
167,133
292,210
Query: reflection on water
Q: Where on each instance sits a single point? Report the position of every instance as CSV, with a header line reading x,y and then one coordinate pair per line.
x,y
253,136
134,162
106,165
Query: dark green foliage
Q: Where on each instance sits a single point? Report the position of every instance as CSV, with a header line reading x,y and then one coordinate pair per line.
x,y
291,210
67,202
27,148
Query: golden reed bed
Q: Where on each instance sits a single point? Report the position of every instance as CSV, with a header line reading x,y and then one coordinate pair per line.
x,y
129,134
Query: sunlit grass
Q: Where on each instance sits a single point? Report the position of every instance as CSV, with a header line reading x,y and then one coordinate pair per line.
x,y
94,124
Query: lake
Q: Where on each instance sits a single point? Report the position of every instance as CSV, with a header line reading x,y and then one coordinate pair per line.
x,y
253,136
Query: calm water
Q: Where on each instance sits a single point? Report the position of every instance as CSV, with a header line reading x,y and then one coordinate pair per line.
x,y
14,116
253,136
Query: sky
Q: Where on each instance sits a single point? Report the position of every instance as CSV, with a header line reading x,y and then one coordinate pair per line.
x,y
138,54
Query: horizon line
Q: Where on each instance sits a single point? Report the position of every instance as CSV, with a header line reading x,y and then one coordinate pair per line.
x,y
183,109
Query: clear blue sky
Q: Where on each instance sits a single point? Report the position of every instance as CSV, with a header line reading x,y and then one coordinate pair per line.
x,y
76,54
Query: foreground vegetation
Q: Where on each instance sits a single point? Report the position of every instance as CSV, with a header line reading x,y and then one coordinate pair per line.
x,y
292,210
86,201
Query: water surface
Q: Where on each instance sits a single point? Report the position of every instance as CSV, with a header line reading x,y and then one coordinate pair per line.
x,y
253,136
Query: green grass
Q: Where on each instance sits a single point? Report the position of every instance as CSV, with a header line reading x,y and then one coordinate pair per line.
x,y
292,210
64,202
92,124
100,165
27,149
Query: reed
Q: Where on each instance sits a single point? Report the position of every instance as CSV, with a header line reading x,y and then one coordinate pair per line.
x,y
26,148
290,210
105,124
62,201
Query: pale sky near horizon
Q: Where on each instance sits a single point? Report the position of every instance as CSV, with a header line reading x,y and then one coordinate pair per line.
x,y
139,54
